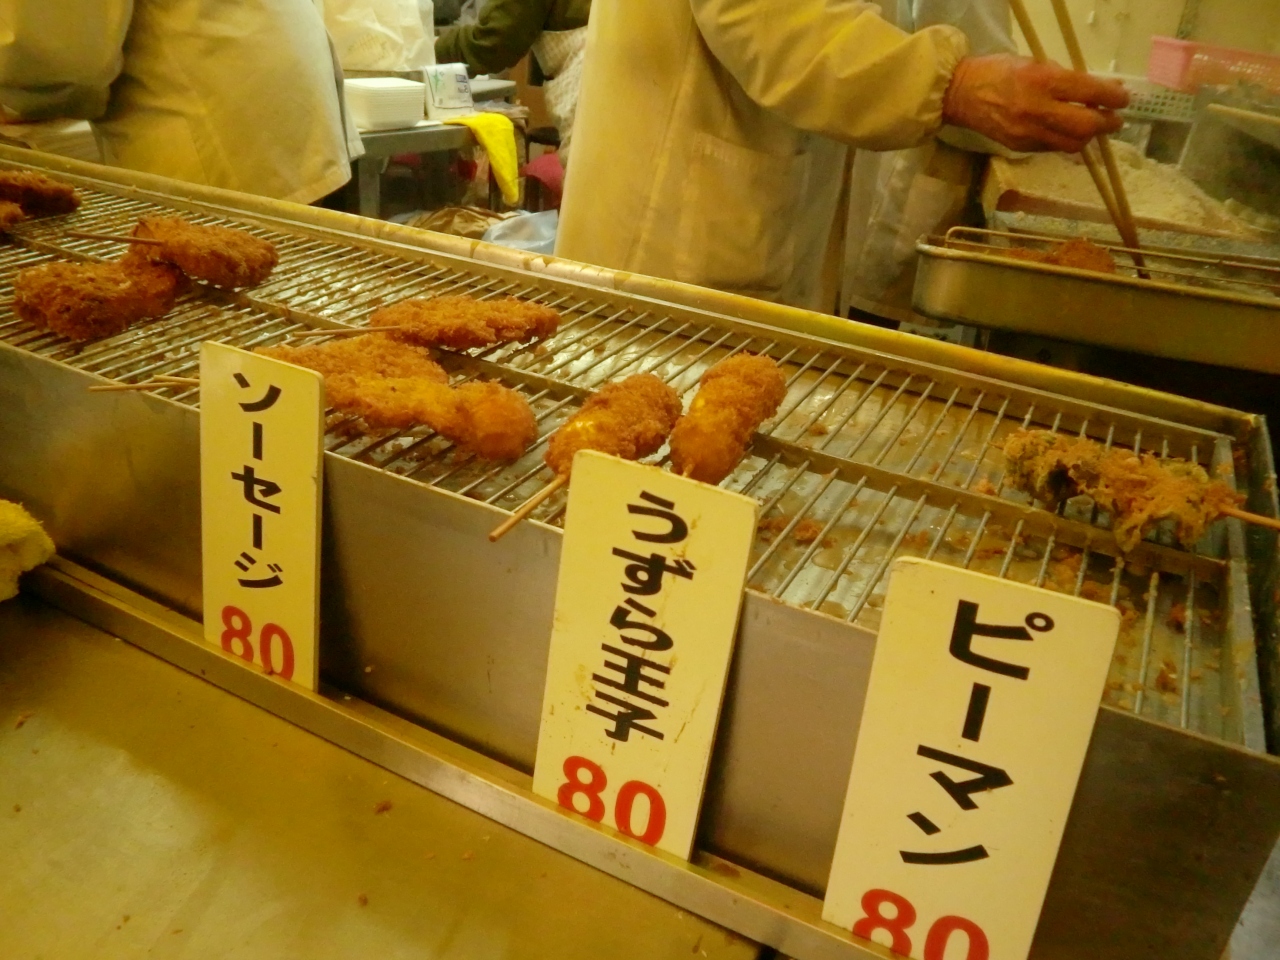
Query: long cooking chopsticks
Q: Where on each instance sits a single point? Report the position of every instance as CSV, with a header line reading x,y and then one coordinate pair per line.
x,y
1110,185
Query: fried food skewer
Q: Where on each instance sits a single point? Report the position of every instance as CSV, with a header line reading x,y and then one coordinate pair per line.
x,y
10,215
221,256
84,301
461,323
36,194
734,397
396,385
629,418
530,505
1138,490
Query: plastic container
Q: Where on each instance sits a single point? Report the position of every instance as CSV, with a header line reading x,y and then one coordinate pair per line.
x,y
384,103
448,91
1185,66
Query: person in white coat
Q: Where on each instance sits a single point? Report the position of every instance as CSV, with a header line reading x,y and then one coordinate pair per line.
x,y
240,94
712,135
898,196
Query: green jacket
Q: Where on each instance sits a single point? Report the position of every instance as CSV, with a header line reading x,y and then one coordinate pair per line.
x,y
505,32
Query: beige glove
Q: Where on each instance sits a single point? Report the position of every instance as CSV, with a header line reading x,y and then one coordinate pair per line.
x,y
1032,106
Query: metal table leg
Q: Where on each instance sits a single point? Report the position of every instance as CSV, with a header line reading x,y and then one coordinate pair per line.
x,y
368,185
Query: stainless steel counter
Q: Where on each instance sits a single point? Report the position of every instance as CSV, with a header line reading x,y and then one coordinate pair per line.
x,y
146,812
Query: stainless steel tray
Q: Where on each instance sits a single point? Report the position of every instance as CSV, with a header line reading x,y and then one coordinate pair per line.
x,y
1216,310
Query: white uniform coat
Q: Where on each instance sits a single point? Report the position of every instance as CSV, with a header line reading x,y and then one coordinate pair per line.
x,y
711,135
239,94
898,197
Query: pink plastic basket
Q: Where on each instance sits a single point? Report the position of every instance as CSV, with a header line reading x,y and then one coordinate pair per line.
x,y
1185,66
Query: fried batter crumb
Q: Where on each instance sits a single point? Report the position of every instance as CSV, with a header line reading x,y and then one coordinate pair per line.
x,y
805,532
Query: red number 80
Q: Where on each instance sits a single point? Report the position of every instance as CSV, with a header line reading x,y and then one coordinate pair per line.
x,y
592,788
235,639
935,943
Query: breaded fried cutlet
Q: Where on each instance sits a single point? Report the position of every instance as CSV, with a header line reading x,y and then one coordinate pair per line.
x,y
84,301
370,355
221,256
394,385
460,323
734,397
628,418
36,194
1138,490
1077,252
492,421
10,214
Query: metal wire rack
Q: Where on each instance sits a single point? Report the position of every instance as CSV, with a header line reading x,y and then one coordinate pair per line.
x,y
870,457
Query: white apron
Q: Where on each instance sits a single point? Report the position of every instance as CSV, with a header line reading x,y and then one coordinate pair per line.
x,y
710,136
239,94
898,197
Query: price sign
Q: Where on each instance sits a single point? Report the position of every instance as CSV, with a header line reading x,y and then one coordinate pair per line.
x,y
650,586
982,699
261,424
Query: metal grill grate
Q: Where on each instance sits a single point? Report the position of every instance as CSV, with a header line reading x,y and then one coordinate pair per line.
x,y
871,456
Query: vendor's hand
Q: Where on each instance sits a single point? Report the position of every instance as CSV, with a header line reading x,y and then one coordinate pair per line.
x,y
1027,105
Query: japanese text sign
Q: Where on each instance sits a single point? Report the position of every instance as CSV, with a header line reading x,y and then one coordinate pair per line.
x,y
651,575
261,425
982,700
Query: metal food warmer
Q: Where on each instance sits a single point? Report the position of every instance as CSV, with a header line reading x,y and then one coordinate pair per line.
x,y
1190,285
434,640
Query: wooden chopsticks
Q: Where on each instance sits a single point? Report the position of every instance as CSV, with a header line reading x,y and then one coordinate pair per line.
x,y
1110,184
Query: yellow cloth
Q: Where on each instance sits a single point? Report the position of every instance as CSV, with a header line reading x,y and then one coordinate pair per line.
x,y
23,546
497,134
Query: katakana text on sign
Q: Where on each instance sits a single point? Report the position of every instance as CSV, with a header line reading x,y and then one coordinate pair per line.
x,y
261,424
982,700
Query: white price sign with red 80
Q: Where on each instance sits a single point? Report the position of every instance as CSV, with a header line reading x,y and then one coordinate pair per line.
x,y
261,426
651,573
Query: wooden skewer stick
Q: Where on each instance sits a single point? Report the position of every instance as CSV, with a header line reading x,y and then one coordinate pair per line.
x,y
1128,230
125,387
118,238
530,505
1103,179
1254,518
344,331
